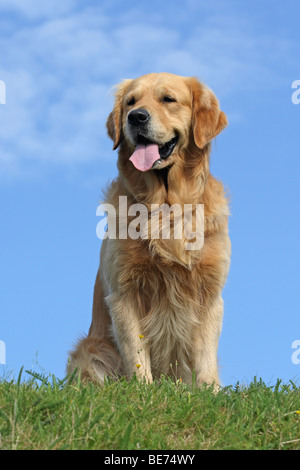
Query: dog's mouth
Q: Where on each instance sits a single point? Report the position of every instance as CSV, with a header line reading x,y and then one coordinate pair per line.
x,y
166,150
148,155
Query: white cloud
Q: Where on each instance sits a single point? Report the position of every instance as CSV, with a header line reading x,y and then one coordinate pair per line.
x,y
59,67
34,9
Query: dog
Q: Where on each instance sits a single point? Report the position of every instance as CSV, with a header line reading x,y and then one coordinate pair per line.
x,y
157,307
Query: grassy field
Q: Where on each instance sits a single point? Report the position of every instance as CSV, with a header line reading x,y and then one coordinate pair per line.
x,y
42,412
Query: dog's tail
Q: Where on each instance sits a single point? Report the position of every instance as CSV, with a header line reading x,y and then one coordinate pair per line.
x,y
95,359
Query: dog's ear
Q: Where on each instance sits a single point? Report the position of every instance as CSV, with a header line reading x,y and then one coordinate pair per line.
x,y
114,120
207,118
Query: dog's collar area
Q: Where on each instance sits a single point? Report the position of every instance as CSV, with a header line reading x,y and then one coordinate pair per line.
x,y
162,175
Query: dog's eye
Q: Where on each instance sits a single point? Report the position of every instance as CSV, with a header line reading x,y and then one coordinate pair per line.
x,y
168,99
131,102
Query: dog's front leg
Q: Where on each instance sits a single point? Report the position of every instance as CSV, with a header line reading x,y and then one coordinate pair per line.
x,y
133,346
205,345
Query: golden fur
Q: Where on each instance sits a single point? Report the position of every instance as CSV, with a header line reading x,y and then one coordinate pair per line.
x,y
157,304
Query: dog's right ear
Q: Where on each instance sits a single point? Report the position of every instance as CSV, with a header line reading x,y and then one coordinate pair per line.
x,y
114,120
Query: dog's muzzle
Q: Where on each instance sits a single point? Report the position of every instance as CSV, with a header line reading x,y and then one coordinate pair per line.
x,y
147,153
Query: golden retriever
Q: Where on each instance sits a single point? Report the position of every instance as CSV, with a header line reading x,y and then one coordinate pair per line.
x,y
157,305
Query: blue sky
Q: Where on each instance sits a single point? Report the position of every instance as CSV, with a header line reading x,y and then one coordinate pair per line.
x,y
59,61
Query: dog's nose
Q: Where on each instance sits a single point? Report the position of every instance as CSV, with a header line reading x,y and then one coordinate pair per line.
x,y
138,117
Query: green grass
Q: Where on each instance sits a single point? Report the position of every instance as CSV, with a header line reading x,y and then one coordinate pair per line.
x,y
47,413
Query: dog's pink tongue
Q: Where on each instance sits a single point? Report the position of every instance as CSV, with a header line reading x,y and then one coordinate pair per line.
x,y
144,156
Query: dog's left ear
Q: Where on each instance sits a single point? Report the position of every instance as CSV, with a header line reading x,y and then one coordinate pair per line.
x,y
114,120
207,118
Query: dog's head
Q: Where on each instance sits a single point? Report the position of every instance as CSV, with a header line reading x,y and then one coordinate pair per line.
x,y
158,114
